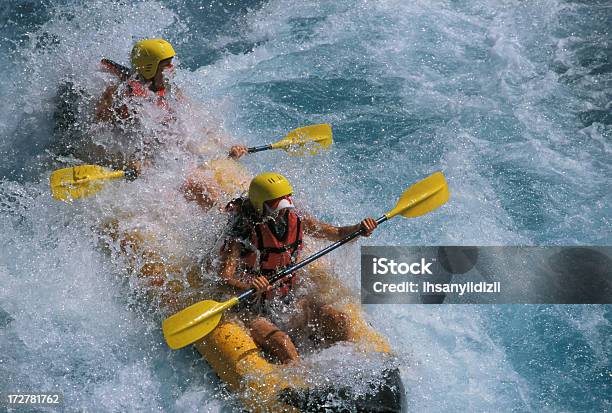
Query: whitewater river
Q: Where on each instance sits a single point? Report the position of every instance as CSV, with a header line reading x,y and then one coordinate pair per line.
x,y
510,99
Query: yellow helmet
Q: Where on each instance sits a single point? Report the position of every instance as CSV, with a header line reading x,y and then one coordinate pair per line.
x,y
266,187
146,55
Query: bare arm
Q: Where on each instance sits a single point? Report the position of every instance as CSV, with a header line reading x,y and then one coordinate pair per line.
x,y
104,111
230,258
320,229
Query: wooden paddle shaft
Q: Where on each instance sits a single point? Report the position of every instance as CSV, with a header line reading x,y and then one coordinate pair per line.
x,y
287,271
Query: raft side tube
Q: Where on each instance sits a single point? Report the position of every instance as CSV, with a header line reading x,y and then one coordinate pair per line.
x,y
237,360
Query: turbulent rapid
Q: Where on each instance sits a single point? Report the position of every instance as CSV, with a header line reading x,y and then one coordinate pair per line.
x,y
510,99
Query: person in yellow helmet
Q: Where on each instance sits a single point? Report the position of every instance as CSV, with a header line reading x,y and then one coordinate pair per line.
x,y
265,235
150,58
146,81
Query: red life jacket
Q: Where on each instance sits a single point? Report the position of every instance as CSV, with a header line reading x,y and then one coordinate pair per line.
x,y
134,87
276,254
137,88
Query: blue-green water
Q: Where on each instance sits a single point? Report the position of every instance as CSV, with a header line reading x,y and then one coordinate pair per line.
x,y
510,99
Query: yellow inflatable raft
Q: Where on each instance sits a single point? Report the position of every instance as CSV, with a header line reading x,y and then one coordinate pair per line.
x,y
262,385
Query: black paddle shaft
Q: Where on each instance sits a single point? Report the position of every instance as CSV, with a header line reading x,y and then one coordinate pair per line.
x,y
281,274
259,148
123,71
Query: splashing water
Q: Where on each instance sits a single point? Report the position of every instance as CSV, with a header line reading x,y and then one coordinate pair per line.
x,y
510,99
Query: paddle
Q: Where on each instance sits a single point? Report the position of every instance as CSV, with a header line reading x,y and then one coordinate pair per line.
x,y
196,321
81,181
307,140
117,69
68,184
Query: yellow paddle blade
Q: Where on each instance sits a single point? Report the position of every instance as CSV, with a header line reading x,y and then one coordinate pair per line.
x,y
422,197
194,322
80,181
308,140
